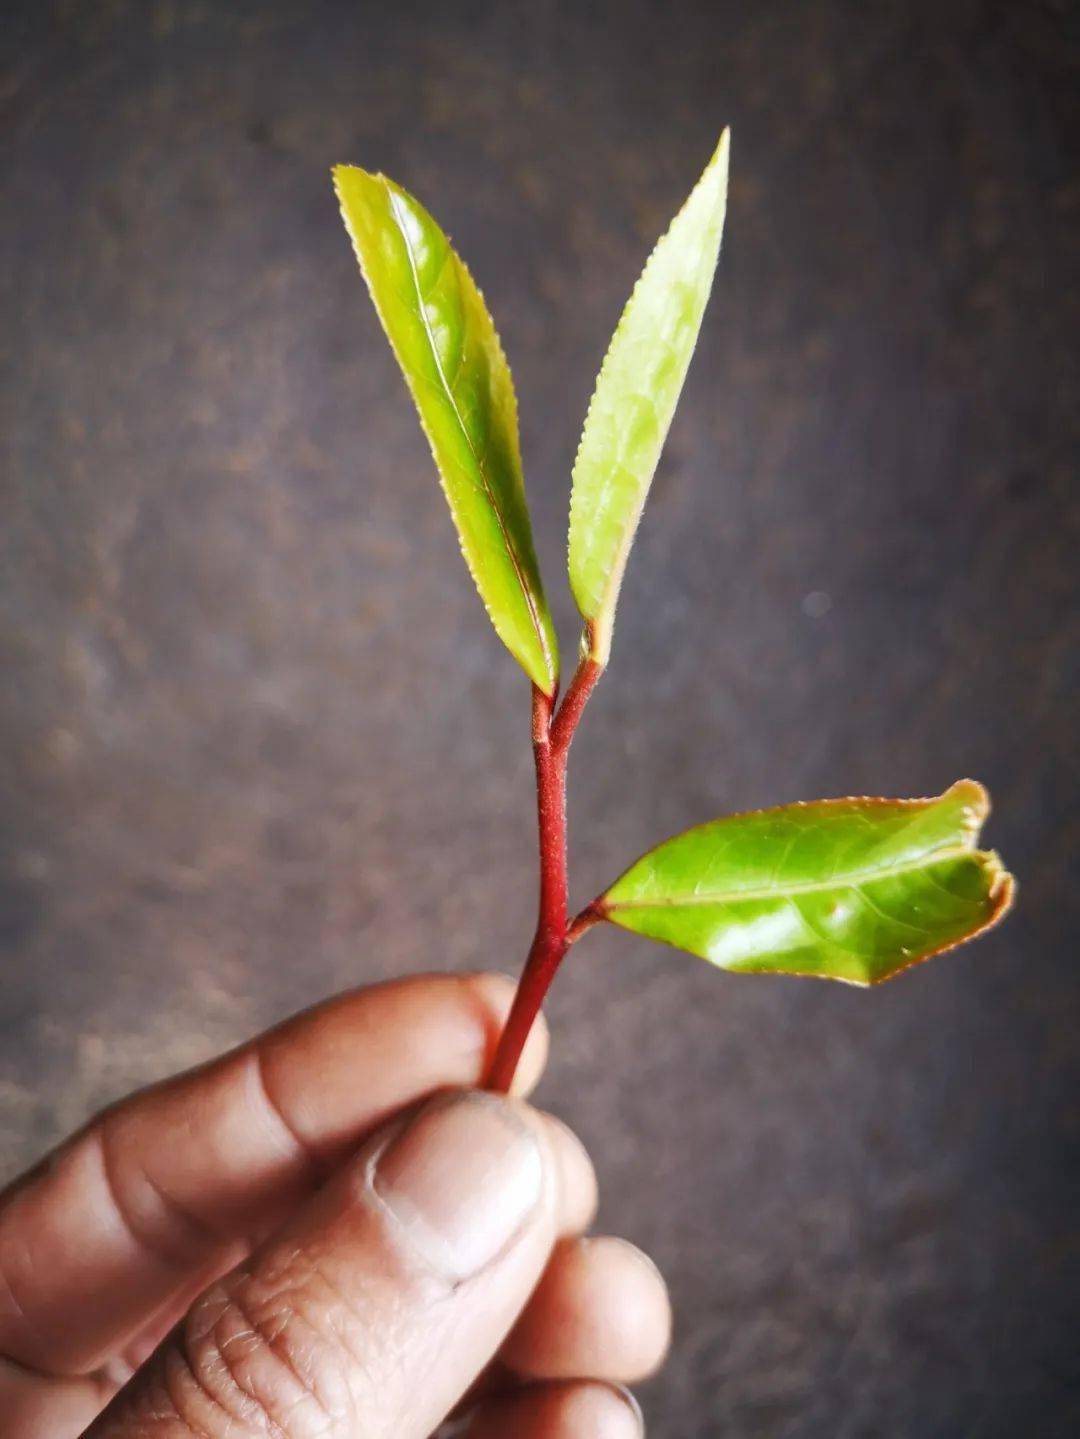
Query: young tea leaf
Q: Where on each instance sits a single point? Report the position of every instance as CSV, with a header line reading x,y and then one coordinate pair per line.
x,y
445,342
635,397
851,889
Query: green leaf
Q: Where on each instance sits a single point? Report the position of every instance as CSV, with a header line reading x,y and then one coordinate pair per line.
x,y
445,342
635,397
851,889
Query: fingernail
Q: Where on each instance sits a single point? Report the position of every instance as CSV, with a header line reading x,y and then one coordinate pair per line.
x,y
631,1403
461,1180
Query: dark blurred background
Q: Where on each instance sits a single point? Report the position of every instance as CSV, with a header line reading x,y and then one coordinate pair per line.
x,y
258,742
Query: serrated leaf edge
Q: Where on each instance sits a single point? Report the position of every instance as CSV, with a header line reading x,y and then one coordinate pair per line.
x,y
1001,892
971,821
599,636
550,658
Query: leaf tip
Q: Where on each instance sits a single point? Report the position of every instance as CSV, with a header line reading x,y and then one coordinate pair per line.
x,y
339,174
974,799
1002,891
716,171
1000,895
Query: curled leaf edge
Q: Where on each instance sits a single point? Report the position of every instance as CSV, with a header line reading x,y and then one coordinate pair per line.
x,y
1001,892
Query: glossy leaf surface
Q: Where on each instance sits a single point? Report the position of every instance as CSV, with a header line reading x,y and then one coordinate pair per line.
x,y
446,344
635,398
851,889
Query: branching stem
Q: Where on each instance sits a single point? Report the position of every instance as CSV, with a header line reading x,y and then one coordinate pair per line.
x,y
552,733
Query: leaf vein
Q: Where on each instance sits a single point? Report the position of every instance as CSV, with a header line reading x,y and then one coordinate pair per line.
x,y
890,918
775,891
488,489
824,937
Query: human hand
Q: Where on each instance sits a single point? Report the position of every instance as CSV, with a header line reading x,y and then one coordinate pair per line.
x,y
298,1240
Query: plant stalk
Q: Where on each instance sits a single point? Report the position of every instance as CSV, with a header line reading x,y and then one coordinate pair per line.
x,y
552,733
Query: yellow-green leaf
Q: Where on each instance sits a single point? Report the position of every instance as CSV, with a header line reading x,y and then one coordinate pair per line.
x,y
635,397
446,344
851,889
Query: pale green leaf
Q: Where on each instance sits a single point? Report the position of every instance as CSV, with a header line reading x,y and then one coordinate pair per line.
x,y
445,342
635,398
851,889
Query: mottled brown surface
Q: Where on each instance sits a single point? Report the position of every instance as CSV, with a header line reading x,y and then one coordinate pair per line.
x,y
258,743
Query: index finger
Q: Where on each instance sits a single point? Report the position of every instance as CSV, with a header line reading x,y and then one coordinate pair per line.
x,y
105,1234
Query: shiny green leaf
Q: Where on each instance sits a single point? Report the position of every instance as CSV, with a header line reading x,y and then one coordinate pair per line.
x,y
851,889
445,342
635,397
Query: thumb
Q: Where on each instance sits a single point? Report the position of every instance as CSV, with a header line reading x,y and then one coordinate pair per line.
x,y
378,1306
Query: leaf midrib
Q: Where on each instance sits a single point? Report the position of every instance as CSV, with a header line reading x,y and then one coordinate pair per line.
x,y
488,490
851,880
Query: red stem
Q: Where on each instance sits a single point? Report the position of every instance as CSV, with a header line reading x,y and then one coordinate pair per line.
x,y
581,923
552,734
574,701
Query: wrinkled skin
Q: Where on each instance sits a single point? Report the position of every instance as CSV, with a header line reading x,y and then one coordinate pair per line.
x,y
326,1232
